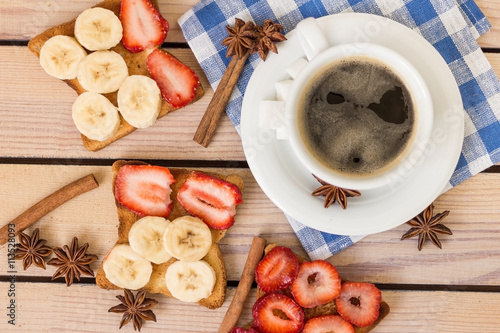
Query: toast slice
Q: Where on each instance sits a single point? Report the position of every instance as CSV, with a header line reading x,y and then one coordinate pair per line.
x,y
157,282
136,63
329,308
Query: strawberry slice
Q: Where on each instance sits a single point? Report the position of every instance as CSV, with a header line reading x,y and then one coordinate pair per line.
x,y
143,25
211,199
144,189
277,270
177,82
276,313
317,283
328,323
359,303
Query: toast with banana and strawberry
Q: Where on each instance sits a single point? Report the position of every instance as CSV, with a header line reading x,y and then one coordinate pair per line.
x,y
171,221
111,56
296,295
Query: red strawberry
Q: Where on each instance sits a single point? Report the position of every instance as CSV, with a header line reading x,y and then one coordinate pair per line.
x,y
211,199
317,283
143,25
145,189
275,313
359,303
328,323
177,82
242,330
277,269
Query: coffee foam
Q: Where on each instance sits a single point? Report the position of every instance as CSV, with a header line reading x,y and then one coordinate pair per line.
x,y
348,136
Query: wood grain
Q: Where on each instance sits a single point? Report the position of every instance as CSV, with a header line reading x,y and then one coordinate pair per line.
x,y
491,9
46,205
36,121
411,311
22,20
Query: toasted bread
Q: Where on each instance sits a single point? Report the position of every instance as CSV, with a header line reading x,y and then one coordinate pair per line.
x,y
136,63
157,280
330,308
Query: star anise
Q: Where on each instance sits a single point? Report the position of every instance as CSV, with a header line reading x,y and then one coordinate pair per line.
x,y
267,35
136,309
32,250
72,262
334,193
241,38
425,225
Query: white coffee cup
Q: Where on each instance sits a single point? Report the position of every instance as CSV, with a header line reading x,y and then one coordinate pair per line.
x,y
320,55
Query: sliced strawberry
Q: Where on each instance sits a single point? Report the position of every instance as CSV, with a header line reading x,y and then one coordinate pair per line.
x,y
275,313
359,303
277,270
143,25
328,323
211,199
177,82
145,189
317,283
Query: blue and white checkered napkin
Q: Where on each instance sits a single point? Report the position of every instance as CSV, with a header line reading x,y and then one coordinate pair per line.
x,y
452,26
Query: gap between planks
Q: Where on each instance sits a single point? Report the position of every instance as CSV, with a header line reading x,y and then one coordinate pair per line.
x,y
88,281
84,308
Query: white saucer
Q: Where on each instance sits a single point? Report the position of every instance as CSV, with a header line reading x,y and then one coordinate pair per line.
x,y
289,185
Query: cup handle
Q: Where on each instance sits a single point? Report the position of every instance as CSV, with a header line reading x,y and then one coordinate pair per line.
x,y
311,37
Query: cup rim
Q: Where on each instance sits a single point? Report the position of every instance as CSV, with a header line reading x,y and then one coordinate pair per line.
x,y
420,96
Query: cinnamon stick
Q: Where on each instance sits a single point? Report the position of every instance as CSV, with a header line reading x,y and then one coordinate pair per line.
x,y
247,277
46,205
217,105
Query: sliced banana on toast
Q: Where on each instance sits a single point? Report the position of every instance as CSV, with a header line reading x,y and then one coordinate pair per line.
x,y
190,281
139,101
60,57
125,268
102,72
98,29
95,116
187,238
146,238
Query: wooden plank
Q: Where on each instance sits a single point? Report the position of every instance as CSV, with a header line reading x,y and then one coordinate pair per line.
x,y
381,258
92,216
36,119
491,9
23,20
494,60
472,247
83,308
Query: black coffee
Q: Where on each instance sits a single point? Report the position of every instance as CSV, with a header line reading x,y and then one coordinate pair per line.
x,y
356,117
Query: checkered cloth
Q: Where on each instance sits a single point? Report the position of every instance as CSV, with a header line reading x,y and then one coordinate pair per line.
x,y
451,26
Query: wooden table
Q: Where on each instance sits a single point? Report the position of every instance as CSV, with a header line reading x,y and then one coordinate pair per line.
x,y
456,289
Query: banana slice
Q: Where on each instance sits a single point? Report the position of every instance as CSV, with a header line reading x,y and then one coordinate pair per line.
x,y
60,57
190,281
98,29
139,101
95,116
102,72
187,238
146,238
126,269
